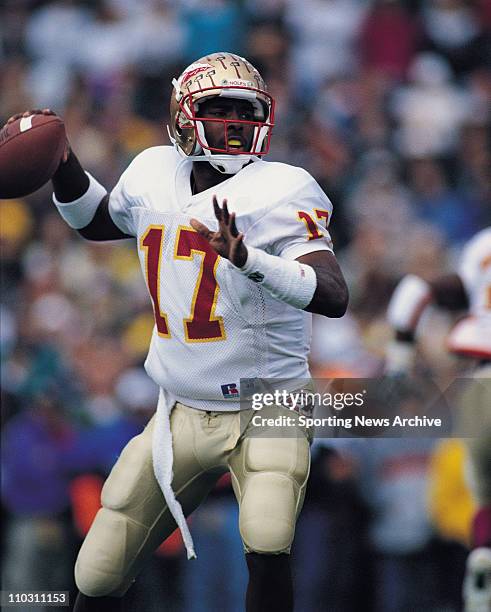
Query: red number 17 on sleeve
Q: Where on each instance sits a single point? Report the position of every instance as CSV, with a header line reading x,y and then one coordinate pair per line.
x,y
311,225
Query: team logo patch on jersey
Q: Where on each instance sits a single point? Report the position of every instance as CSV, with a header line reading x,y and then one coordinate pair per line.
x,y
230,391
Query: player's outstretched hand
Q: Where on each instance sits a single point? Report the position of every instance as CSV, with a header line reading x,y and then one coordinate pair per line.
x,y
38,111
227,241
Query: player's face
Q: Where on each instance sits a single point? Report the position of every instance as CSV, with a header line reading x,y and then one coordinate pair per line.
x,y
236,136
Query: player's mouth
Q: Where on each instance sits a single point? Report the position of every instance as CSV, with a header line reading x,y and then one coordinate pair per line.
x,y
235,144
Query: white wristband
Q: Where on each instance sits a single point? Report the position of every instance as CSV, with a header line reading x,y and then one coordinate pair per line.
x,y
408,301
81,211
286,280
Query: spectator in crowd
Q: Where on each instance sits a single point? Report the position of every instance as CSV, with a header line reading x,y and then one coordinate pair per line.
x,y
39,540
330,554
430,110
437,204
389,38
394,480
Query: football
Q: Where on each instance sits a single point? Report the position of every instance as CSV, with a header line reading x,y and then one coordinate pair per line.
x,y
30,151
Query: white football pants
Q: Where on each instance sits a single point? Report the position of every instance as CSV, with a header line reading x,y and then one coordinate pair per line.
x,y
269,476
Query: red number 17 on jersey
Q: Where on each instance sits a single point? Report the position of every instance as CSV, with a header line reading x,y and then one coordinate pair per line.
x,y
202,325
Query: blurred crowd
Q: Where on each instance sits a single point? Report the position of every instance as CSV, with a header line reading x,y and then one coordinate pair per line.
x,y
387,103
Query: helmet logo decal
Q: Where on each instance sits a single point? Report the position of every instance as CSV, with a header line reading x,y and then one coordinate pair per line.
x,y
193,70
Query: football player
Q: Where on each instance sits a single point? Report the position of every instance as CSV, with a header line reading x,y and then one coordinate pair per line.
x,y
469,288
236,255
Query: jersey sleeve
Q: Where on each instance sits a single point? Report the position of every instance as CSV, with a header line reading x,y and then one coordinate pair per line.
x,y
130,189
298,225
120,203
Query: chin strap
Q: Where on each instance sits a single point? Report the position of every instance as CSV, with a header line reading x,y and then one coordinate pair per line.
x,y
226,164
223,163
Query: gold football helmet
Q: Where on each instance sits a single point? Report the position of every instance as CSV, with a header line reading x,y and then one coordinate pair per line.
x,y
226,75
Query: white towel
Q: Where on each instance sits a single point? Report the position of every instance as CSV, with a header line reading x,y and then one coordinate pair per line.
x,y
162,466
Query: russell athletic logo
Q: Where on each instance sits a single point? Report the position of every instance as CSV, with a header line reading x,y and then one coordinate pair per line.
x,y
230,391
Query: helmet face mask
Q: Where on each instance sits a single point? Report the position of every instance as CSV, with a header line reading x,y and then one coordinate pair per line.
x,y
260,140
221,75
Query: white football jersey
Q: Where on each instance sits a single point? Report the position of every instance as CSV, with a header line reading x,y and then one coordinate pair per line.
x,y
472,335
215,326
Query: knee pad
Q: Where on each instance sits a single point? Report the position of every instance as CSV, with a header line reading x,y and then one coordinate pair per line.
x,y
105,558
276,472
268,513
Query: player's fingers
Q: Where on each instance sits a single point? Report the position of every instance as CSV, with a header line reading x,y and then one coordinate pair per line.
x,y
28,113
233,227
201,229
225,213
14,118
20,115
35,111
217,209
236,245
222,224
225,231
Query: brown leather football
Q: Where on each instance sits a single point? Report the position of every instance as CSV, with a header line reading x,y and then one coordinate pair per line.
x,y
30,151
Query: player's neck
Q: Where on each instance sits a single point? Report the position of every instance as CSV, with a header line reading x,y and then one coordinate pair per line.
x,y
204,176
